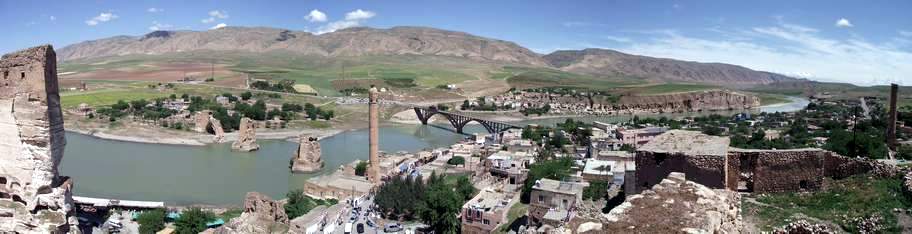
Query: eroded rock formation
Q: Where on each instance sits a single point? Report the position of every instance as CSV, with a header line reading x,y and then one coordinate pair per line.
x,y
307,159
677,205
33,197
203,122
246,140
715,100
261,215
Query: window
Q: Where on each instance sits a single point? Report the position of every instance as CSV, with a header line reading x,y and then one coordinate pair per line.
x,y
486,221
2,180
564,203
23,75
541,198
5,74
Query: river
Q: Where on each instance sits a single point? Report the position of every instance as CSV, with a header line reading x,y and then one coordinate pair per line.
x,y
215,175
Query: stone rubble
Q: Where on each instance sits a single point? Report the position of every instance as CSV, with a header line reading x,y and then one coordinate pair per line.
x,y
34,198
261,215
803,227
246,140
677,205
307,158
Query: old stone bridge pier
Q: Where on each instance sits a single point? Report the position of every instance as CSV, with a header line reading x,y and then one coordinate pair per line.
x,y
459,121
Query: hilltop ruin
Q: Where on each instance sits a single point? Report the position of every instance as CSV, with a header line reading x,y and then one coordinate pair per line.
x,y
33,197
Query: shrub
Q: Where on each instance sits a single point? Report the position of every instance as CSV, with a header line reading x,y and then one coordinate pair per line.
x,y
193,220
456,160
151,221
361,168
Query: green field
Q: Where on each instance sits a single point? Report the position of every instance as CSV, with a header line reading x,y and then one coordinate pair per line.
x,y
672,88
529,77
846,199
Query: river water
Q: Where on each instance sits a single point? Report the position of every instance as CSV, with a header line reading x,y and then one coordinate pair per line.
x,y
215,175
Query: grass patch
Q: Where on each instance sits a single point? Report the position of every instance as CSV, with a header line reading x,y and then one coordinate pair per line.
x,y
106,98
528,77
516,212
672,88
770,99
846,199
231,213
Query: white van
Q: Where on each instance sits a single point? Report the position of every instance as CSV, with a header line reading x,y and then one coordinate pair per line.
x,y
348,228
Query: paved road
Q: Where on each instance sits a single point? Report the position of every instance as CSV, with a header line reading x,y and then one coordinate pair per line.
x,y
865,108
378,222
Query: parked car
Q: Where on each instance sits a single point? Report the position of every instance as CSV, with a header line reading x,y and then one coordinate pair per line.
x,y
360,228
371,223
392,227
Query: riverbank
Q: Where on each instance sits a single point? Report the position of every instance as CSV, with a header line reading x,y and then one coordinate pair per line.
x,y
172,137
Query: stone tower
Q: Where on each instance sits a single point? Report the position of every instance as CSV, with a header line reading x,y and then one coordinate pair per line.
x,y
891,124
373,172
33,197
307,159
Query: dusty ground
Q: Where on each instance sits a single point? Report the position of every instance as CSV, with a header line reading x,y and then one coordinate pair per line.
x,y
164,72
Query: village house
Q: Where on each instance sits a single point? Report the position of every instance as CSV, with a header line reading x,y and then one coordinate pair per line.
x,y
514,168
486,211
639,136
553,202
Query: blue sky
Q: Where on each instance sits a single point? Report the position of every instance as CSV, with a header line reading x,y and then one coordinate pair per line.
x,y
861,42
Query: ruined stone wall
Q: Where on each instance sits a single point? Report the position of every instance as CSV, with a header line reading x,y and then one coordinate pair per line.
x,y
796,169
307,158
246,137
652,168
33,197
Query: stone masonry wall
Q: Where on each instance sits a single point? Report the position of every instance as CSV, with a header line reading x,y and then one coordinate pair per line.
x,y
795,170
33,197
653,167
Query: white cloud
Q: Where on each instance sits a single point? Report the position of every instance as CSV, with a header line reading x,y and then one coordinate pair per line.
x,y
905,33
787,49
359,15
101,18
215,14
159,26
155,10
218,26
52,18
316,16
352,19
844,23
617,39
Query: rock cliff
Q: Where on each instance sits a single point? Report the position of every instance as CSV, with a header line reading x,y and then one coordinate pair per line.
x,y
715,100
307,158
246,140
33,197
261,215
677,205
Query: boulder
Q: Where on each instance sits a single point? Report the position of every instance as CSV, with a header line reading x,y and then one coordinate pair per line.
x,y
246,139
261,215
33,197
307,158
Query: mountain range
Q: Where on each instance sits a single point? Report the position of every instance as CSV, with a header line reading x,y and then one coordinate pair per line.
x,y
364,41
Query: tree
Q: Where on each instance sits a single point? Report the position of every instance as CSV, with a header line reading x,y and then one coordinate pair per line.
x,y
555,169
298,204
440,206
246,95
456,160
193,221
465,105
361,168
464,186
151,221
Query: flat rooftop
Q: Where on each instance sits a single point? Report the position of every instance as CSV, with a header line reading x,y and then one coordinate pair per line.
x,y
488,199
558,186
687,142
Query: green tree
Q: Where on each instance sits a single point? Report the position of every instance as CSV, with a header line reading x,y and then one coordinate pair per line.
x,y
456,160
361,168
246,95
464,186
298,204
440,207
555,169
151,221
193,221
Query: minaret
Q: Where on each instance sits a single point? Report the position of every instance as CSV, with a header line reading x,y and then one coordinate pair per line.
x,y
373,172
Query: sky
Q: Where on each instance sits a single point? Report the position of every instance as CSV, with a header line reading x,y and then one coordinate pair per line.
x,y
859,42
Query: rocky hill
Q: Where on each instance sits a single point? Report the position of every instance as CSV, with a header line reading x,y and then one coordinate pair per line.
x,y
610,62
362,41
347,42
